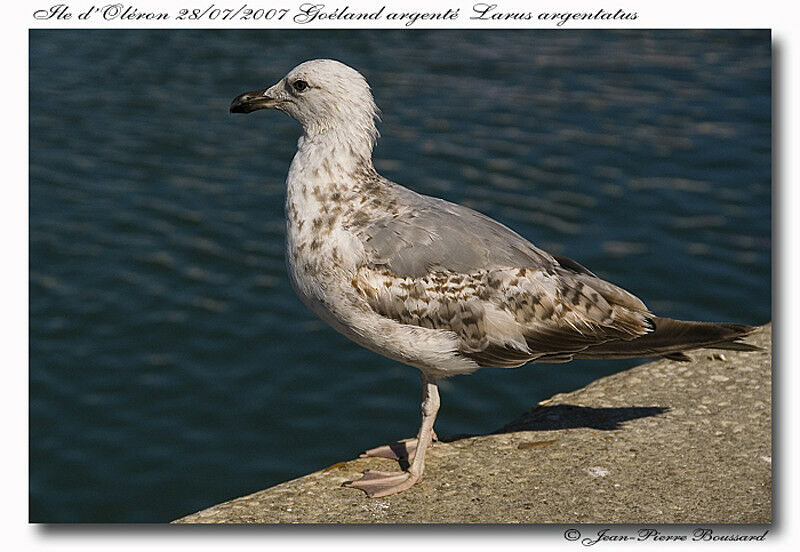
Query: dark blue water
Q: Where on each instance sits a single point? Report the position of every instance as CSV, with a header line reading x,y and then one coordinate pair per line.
x,y
171,365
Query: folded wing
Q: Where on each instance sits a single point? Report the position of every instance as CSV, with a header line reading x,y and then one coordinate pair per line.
x,y
444,266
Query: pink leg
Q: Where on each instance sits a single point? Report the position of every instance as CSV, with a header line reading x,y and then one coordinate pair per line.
x,y
399,450
378,483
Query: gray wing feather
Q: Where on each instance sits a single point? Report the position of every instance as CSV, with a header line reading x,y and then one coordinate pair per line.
x,y
438,235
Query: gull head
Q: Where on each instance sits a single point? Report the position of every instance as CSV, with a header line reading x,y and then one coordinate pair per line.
x,y
324,96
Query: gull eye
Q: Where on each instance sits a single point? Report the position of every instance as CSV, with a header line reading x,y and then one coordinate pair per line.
x,y
300,85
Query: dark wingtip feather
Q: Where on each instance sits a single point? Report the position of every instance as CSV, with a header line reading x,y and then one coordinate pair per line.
x,y
671,337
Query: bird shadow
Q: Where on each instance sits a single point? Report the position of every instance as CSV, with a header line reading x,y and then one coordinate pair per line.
x,y
547,418
567,416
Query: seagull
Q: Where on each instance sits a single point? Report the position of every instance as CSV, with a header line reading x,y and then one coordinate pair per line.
x,y
433,284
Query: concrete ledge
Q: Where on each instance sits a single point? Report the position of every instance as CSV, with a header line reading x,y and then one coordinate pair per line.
x,y
665,442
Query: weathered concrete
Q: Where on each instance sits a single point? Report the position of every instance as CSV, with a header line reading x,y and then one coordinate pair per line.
x,y
665,442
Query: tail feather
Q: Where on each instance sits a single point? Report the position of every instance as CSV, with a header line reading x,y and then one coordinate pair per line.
x,y
671,337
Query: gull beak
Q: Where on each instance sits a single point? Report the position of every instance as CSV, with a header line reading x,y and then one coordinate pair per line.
x,y
252,101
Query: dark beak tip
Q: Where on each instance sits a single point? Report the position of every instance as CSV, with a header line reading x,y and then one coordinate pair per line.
x,y
239,103
251,101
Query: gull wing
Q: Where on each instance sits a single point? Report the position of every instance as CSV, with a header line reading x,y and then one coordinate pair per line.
x,y
444,266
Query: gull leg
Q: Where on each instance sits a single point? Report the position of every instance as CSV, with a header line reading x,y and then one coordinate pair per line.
x,y
378,483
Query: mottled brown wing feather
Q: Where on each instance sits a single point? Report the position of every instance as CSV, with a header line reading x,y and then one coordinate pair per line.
x,y
508,317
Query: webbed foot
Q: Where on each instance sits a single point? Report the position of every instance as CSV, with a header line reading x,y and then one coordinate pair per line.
x,y
378,483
